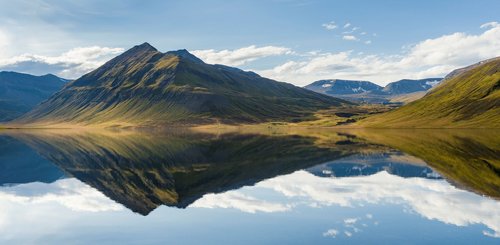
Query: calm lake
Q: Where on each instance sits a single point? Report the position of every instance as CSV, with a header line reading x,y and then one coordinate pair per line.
x,y
275,186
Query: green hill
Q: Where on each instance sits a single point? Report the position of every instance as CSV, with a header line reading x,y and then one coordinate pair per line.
x,y
467,98
146,87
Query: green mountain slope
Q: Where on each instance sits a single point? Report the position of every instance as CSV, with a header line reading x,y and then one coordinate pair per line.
x,y
19,92
467,98
146,87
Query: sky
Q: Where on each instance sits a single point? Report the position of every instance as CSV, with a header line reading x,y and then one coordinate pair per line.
x,y
295,41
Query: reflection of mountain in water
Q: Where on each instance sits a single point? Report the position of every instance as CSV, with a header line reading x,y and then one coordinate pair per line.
x,y
20,164
469,159
142,171
145,170
393,162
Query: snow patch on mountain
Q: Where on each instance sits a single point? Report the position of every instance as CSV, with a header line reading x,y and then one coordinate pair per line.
x,y
358,90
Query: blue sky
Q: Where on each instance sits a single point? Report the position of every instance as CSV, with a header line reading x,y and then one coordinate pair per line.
x,y
288,40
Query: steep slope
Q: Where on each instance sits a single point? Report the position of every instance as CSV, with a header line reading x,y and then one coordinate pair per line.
x,y
146,87
470,98
19,92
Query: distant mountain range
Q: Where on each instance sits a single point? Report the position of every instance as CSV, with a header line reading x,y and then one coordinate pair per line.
x,y
146,87
19,92
468,98
404,91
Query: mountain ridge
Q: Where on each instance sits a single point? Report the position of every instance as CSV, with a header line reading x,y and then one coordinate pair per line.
x,y
143,86
369,92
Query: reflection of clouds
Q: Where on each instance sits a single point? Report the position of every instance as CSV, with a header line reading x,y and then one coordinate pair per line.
x,y
239,201
433,199
30,213
69,193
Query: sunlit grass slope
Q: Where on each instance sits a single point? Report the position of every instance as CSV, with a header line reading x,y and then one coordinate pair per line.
x,y
146,87
468,99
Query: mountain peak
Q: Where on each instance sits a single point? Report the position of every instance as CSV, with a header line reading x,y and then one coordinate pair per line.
x,y
144,47
183,53
140,49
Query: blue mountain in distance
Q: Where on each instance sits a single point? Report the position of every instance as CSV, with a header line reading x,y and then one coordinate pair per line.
x,y
20,92
338,86
407,86
401,91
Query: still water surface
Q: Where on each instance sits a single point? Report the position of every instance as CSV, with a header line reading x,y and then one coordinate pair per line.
x,y
273,187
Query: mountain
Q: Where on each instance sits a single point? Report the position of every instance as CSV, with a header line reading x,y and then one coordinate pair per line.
x,y
469,98
19,92
146,87
355,91
407,86
401,91
343,87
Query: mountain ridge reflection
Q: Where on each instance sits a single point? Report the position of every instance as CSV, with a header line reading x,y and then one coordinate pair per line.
x,y
143,170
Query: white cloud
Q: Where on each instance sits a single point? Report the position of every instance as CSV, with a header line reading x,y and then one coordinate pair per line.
x,y
347,233
350,38
70,64
331,233
429,58
347,25
490,25
239,56
350,221
236,200
330,26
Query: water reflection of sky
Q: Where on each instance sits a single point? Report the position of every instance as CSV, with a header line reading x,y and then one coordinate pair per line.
x,y
359,193
296,208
